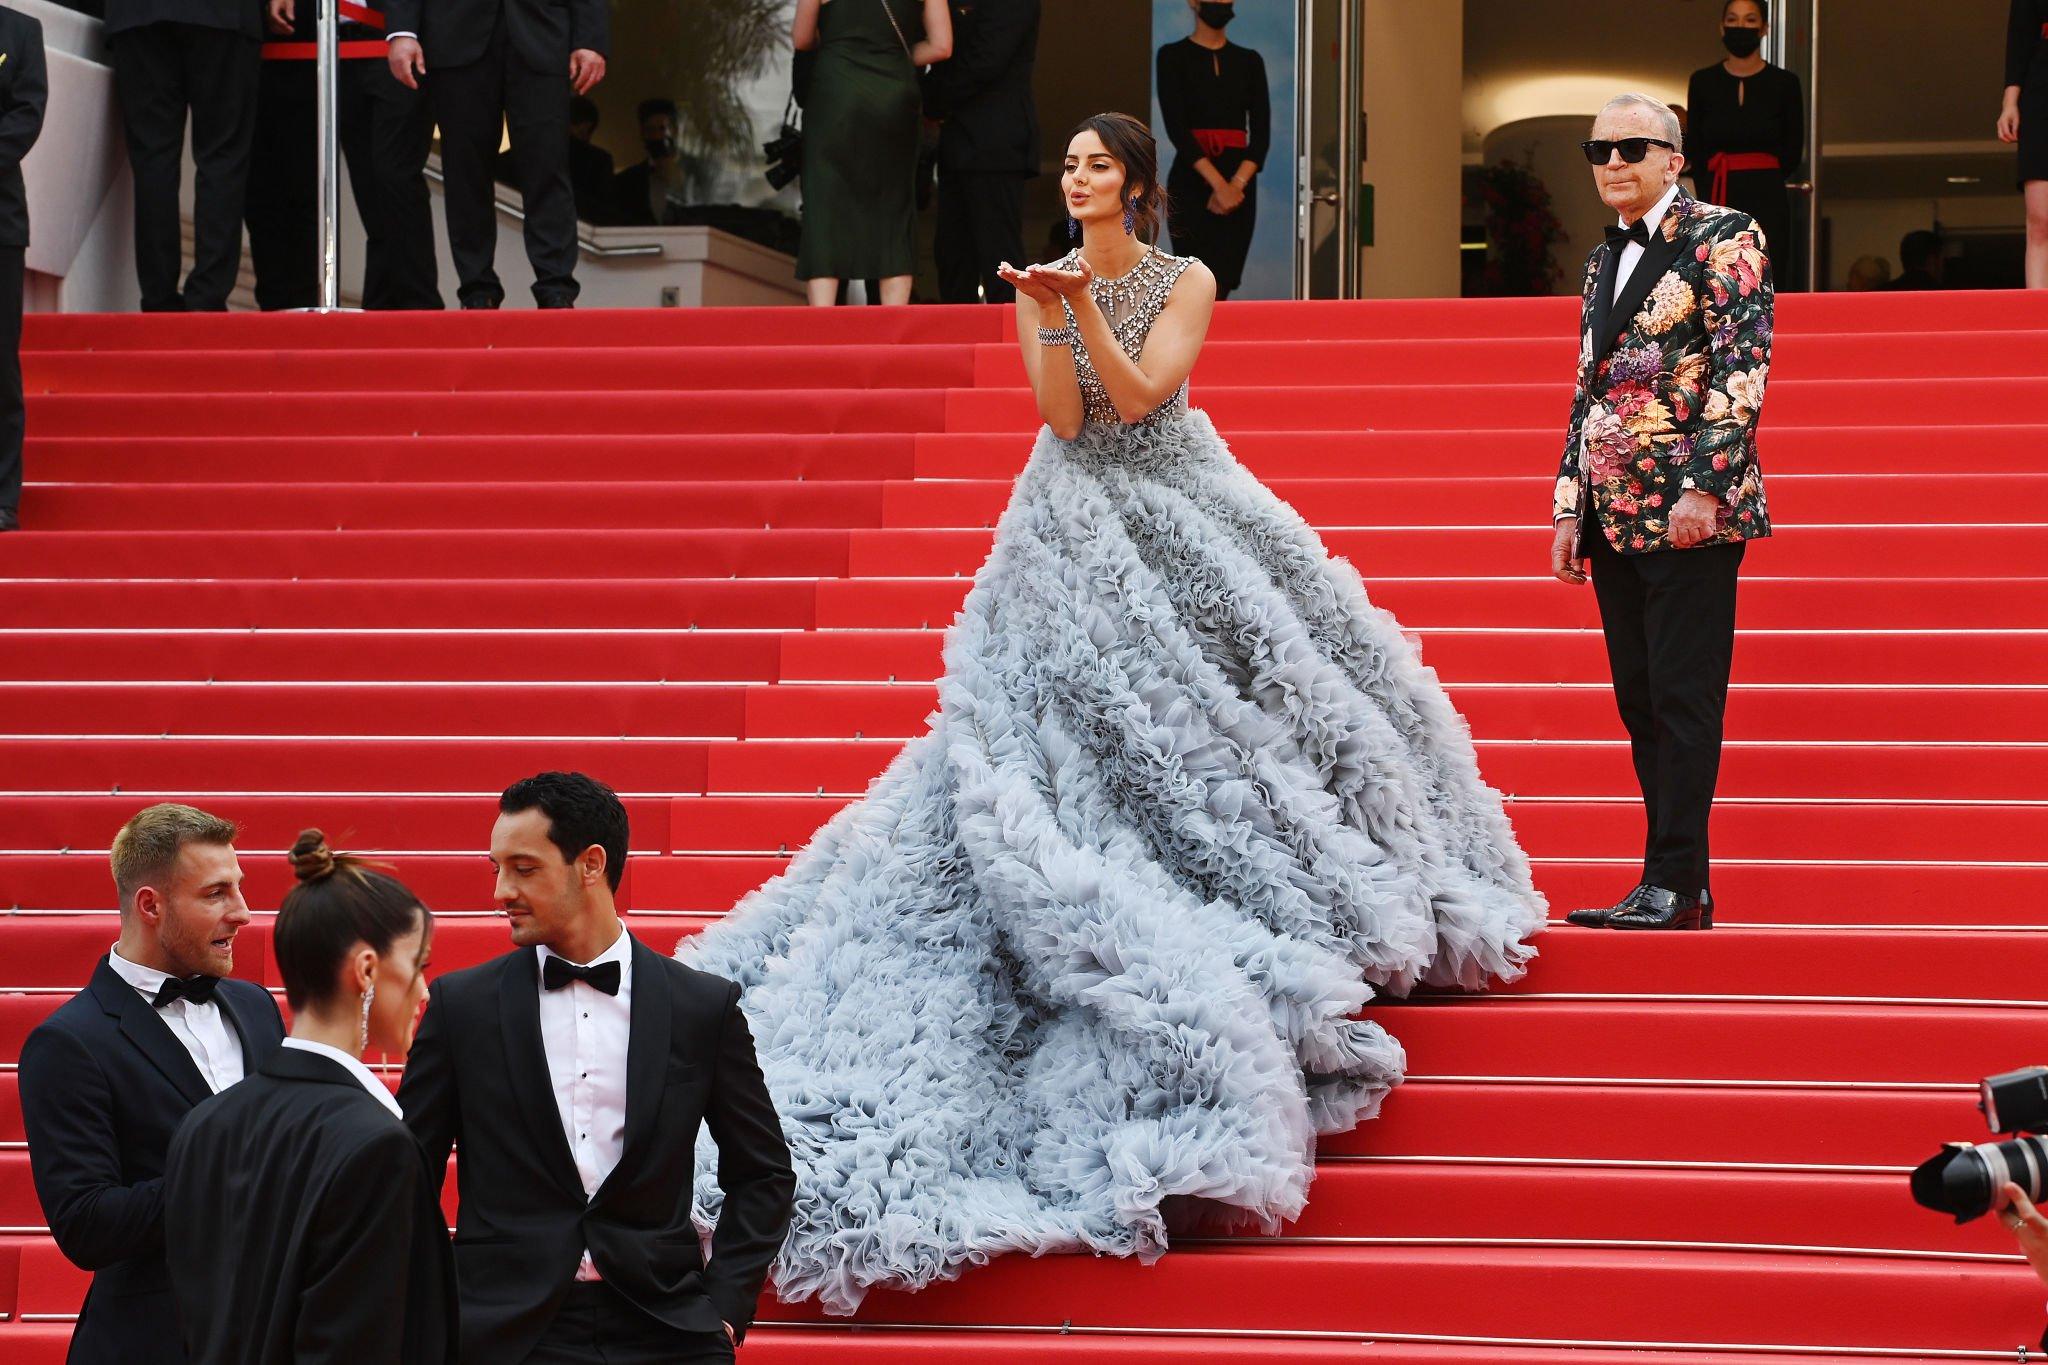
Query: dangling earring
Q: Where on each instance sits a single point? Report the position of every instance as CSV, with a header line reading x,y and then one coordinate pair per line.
x,y
363,1030
1130,222
1073,228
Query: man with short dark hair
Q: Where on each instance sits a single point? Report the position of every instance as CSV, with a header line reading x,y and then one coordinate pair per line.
x,y
574,1072
108,1077
649,193
1921,261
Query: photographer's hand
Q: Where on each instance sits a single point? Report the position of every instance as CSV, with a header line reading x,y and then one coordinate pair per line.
x,y
2029,1228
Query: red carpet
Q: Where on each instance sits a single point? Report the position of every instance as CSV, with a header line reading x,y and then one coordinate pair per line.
x,y
362,571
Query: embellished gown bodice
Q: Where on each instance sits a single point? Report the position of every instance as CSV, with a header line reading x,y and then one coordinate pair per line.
x,y
1132,302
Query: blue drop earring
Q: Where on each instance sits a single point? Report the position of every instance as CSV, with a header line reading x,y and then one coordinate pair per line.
x,y
1130,222
1073,228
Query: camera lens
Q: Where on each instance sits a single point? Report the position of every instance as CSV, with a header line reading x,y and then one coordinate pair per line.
x,y
1963,1181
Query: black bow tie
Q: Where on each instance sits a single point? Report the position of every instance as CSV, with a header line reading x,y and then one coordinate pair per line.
x,y
198,989
559,972
1619,236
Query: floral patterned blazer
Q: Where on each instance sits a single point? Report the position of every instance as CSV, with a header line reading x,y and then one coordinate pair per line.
x,y
1671,380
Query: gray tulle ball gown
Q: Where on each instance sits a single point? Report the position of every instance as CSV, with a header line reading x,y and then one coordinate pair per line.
x,y
1098,939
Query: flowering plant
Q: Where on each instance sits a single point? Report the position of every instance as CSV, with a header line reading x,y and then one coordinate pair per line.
x,y
1520,230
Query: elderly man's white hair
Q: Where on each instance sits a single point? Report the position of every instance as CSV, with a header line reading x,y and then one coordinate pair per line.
x,y
1667,117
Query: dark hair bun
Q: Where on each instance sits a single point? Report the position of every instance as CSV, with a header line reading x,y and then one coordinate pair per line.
x,y
312,860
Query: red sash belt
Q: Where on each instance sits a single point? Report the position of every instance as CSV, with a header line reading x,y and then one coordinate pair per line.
x,y
306,52
1720,163
1214,142
348,12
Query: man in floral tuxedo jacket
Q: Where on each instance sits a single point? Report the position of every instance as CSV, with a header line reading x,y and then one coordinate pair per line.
x,y
1659,491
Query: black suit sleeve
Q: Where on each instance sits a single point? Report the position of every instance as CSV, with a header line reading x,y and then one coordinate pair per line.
x,y
1000,31
590,26
1259,113
67,1108
1792,119
753,1170
21,118
351,1307
1170,83
2021,34
426,1093
403,16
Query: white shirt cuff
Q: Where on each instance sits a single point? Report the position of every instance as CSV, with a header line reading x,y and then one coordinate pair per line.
x,y
389,36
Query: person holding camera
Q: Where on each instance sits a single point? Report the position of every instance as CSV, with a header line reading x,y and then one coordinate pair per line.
x,y
863,116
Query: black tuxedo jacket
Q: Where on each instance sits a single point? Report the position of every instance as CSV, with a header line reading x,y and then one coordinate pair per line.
x,y
477,1078
236,16
24,86
542,32
324,1240
104,1085
983,93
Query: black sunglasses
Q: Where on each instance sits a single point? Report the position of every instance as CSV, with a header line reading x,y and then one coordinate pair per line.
x,y
1632,149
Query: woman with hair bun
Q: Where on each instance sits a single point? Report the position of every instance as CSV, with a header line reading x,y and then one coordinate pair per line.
x,y
316,1235
1096,944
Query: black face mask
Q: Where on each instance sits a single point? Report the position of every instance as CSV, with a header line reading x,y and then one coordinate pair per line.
x,y
659,147
1215,15
1742,42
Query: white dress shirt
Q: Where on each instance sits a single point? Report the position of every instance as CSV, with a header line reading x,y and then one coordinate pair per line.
x,y
378,1090
585,1034
215,1046
1632,253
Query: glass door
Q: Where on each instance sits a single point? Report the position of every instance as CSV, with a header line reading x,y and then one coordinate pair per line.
x,y
1795,37
1329,128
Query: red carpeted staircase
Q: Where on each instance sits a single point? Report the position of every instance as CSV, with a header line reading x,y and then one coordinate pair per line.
x,y
361,572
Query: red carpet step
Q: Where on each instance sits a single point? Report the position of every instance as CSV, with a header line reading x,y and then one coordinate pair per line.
x,y
361,571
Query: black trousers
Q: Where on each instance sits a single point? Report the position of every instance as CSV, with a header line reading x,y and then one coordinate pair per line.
x,y
980,224
597,1325
163,71
472,103
12,411
386,131
1669,619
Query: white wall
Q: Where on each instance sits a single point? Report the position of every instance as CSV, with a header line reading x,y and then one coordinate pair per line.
x,y
1414,82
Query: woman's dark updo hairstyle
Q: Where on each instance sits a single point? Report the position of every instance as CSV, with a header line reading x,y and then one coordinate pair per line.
x,y
1130,142
1763,9
339,901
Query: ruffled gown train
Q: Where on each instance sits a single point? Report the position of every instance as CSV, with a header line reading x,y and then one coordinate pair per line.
x,y
1098,940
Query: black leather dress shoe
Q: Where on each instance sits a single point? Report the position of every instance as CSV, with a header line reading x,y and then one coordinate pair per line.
x,y
1597,919
1658,908
482,303
9,522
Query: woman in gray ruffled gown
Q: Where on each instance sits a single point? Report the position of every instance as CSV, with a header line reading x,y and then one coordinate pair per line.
x,y
1098,940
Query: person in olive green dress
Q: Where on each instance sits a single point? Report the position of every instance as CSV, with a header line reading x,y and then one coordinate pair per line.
x,y
861,124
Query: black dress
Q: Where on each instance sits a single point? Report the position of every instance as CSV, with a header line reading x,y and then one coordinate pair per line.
x,y
2026,65
1744,116
1214,104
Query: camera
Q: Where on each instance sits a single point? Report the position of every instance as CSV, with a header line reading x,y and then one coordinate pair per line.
x,y
785,155
1963,1179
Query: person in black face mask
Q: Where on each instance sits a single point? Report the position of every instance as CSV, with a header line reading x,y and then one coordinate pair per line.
x,y
1212,96
1746,133
649,194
